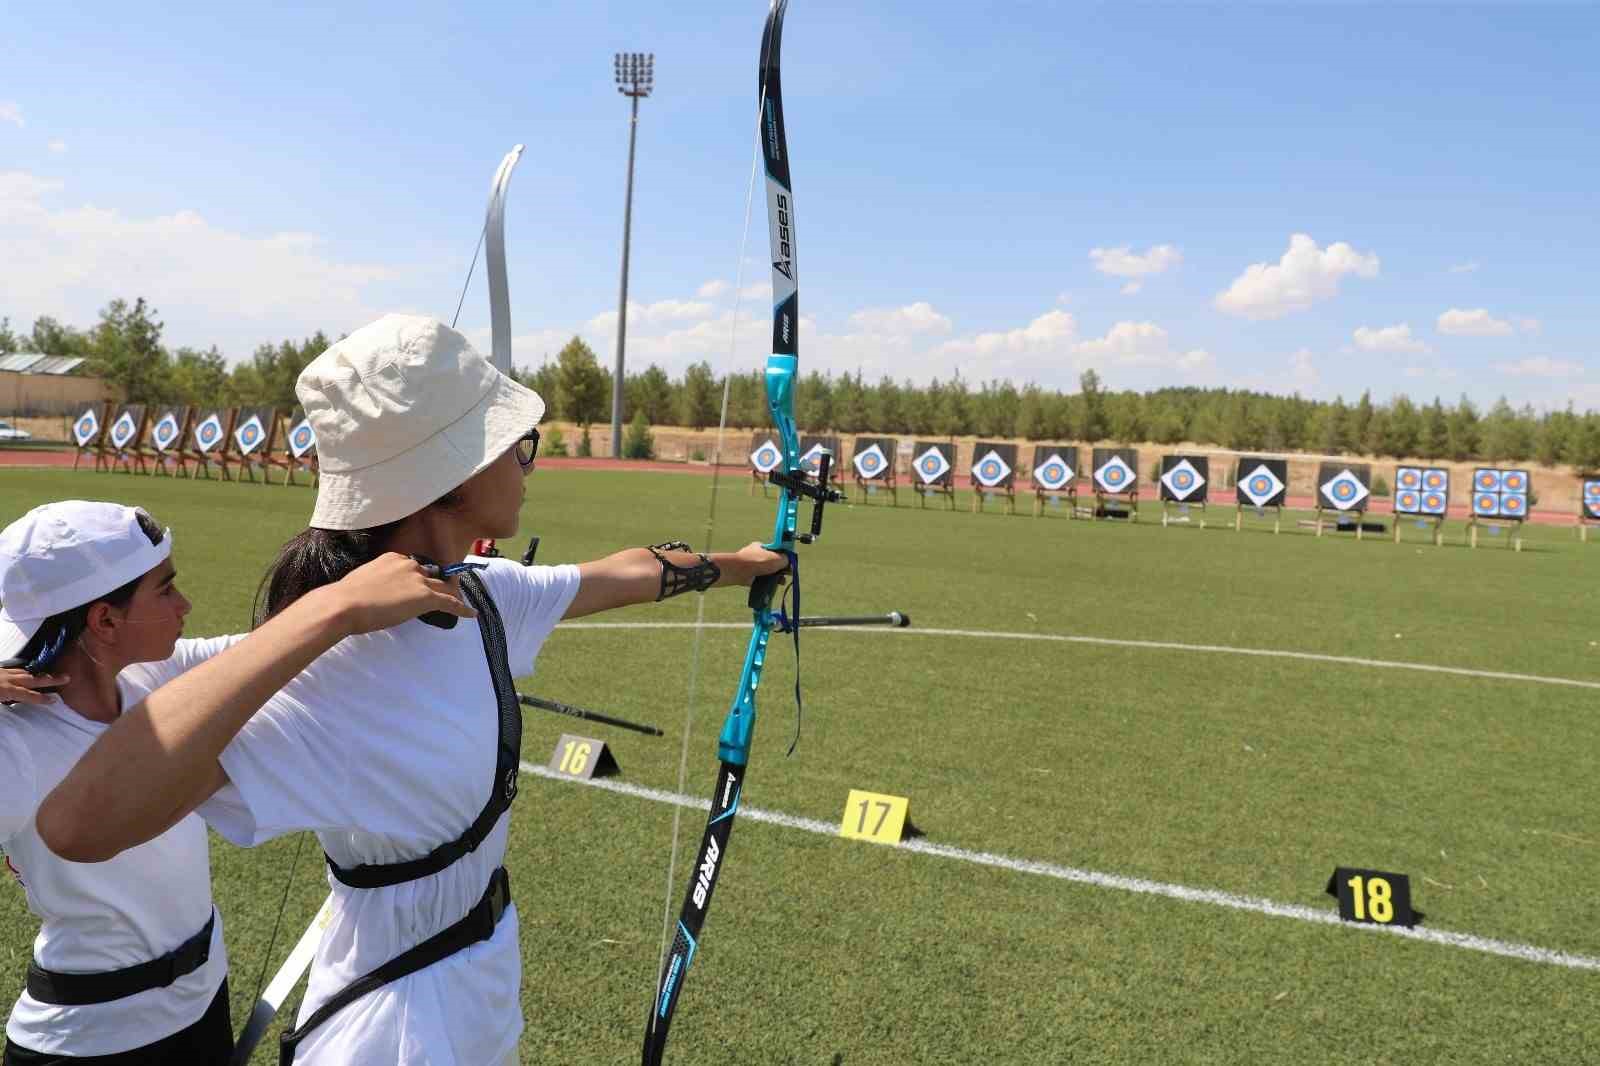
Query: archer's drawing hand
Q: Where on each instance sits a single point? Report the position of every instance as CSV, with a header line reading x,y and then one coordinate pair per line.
x,y
391,589
18,686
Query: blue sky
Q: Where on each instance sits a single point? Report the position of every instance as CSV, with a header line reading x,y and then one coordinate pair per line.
x,y
1283,196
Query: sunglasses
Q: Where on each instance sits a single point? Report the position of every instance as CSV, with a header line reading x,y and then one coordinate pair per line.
x,y
527,447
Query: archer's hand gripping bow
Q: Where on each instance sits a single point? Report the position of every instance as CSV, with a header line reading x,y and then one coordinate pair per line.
x,y
733,745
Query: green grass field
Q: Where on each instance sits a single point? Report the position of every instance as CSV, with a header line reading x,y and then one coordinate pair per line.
x,y
1246,775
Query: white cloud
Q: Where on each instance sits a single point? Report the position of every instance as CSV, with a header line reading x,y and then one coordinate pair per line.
x,y
11,111
57,147
1123,262
1541,366
1304,275
914,318
1475,323
1388,339
1131,288
1529,325
225,286
1141,344
712,289
1468,267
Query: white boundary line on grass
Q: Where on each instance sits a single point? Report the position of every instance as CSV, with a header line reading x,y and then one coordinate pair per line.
x,y
1160,645
1214,897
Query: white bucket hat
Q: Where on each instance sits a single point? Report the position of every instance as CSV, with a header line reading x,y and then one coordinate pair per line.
x,y
64,555
405,410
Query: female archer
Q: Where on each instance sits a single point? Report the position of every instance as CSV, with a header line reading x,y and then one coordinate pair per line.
x,y
399,748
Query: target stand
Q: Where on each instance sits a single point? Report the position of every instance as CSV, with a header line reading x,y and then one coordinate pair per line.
x,y
170,426
1588,505
1261,484
1116,480
994,470
209,442
874,468
1184,483
1500,499
933,472
88,434
1343,489
1055,476
299,452
766,455
255,434
125,437
1421,494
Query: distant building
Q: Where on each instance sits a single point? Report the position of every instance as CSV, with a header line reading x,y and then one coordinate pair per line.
x,y
34,385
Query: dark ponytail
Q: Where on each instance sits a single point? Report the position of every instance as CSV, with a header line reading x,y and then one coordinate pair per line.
x,y
318,557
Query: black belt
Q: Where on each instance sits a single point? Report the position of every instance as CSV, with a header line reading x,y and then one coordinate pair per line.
x,y
80,989
478,925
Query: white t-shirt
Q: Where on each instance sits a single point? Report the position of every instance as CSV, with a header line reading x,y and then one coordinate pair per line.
x,y
385,746
106,915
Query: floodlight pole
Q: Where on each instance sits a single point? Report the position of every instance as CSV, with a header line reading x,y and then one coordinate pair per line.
x,y
635,74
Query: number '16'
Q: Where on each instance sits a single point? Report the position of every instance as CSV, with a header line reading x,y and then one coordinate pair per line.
x,y
1375,901
574,757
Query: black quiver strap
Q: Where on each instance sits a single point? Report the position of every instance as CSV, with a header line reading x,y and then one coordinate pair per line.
x,y
504,787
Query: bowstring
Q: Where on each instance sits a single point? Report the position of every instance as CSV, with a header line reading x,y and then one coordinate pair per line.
x,y
266,958
711,521
465,285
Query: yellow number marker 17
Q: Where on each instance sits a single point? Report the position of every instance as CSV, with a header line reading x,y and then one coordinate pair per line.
x,y
874,816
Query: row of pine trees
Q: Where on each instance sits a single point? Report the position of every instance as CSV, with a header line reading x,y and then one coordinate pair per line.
x,y
125,347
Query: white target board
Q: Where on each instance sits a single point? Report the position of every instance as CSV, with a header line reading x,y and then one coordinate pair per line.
x,y
208,434
1343,489
1115,475
164,434
766,457
1055,472
871,463
86,428
250,435
931,466
123,429
302,438
1262,482
991,470
1183,478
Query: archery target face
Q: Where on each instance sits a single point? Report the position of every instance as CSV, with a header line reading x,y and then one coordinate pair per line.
x,y
1513,504
932,465
1434,503
1115,475
1344,490
249,435
1514,481
1591,497
766,458
1486,504
871,463
301,438
811,461
1486,481
123,429
991,470
1436,480
1054,473
84,429
1408,501
1182,480
1260,486
208,434
166,431
1408,478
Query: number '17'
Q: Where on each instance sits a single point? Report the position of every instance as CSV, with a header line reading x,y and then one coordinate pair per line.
x,y
883,814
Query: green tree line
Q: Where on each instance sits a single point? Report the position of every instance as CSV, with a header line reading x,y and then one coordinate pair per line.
x,y
125,347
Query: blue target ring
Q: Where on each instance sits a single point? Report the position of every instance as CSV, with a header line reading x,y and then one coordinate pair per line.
x,y
1434,479
1113,476
249,434
209,433
1410,479
1591,490
1515,481
1486,503
1260,485
930,465
1407,501
1513,505
1433,503
1183,479
302,437
989,470
1344,490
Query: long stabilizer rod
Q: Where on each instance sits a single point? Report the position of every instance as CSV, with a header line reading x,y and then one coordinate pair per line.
x,y
898,619
588,716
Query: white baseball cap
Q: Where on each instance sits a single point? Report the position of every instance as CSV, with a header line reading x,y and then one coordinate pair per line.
x,y
64,555
405,410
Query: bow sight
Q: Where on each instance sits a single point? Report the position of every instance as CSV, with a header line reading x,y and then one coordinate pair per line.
x,y
816,491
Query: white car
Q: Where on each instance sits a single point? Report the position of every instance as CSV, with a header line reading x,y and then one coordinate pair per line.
x,y
10,432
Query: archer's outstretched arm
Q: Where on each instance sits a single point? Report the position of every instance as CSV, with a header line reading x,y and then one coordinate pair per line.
x,y
160,760
644,575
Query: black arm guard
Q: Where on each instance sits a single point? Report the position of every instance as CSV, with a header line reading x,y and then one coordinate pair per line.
x,y
677,579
